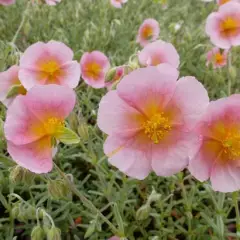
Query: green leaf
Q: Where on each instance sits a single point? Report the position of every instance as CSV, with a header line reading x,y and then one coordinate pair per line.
x,y
14,91
67,136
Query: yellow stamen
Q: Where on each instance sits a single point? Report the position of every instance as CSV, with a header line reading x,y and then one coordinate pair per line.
x,y
157,127
52,125
230,26
93,70
231,145
147,32
224,1
219,58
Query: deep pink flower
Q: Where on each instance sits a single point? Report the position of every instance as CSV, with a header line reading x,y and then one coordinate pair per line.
x,y
9,79
7,2
223,26
118,75
52,2
118,3
33,121
49,63
218,153
217,58
148,32
148,120
159,52
94,66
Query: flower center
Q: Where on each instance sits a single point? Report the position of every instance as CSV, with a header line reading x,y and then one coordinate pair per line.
x,y
157,127
50,67
224,1
230,26
231,145
52,125
147,32
93,70
155,61
219,58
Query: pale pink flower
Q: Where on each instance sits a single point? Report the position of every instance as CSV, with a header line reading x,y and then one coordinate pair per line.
x,y
117,77
148,32
159,52
217,58
118,3
49,63
218,153
114,238
8,79
221,2
52,2
7,2
149,118
33,121
223,26
94,66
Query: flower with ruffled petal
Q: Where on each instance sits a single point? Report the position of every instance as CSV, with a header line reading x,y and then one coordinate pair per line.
x,y
118,3
35,122
52,2
49,63
223,27
148,32
9,80
149,119
218,152
159,52
217,58
94,66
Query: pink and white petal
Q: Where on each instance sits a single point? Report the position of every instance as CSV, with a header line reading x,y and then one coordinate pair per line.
x,y
32,55
150,87
116,117
116,4
192,99
169,159
71,74
51,101
128,156
7,80
30,77
100,58
36,156
7,2
230,8
225,178
21,126
201,163
60,51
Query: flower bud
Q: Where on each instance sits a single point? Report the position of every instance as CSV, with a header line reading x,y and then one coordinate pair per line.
x,y
91,229
73,121
37,233
110,75
143,212
54,234
154,197
58,189
19,174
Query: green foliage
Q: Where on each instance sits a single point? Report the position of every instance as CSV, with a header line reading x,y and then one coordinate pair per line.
x,y
183,208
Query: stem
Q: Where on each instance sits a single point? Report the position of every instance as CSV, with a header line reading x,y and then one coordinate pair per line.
x,y
21,23
220,223
229,74
235,200
85,201
188,208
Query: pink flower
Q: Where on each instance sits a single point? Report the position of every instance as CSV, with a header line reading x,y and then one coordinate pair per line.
x,y
118,3
221,2
148,32
159,52
217,58
218,154
223,26
117,77
33,121
148,120
8,79
114,238
94,66
48,63
52,2
7,2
